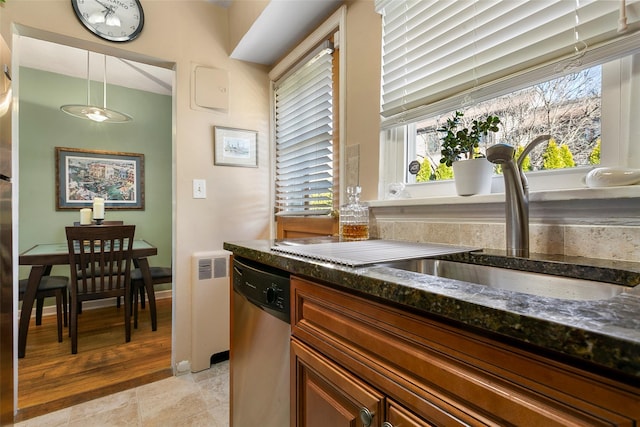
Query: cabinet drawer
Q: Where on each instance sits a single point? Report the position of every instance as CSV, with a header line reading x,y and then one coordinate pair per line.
x,y
448,375
398,416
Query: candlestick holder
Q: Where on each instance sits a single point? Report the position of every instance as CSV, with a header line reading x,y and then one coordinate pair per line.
x,y
98,221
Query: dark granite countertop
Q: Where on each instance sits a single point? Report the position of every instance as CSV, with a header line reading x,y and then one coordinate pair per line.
x,y
602,332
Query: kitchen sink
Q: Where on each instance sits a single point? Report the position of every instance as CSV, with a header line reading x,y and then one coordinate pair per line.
x,y
545,285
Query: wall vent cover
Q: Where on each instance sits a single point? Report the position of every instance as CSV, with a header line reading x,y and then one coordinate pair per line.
x,y
204,269
219,268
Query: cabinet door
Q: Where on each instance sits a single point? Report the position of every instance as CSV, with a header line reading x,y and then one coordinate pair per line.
x,y
327,395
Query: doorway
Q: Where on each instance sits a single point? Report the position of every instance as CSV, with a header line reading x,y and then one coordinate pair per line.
x,y
52,75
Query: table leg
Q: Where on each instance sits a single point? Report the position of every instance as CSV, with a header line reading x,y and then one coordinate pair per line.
x,y
37,271
143,264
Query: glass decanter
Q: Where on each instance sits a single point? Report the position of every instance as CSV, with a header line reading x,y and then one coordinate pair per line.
x,y
354,217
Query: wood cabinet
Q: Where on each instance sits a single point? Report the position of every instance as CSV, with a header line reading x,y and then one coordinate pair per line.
x,y
305,226
398,416
328,395
409,369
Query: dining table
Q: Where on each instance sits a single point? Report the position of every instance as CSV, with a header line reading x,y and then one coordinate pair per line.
x,y
42,257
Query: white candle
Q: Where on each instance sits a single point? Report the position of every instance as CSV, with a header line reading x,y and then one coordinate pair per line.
x,y
98,208
85,216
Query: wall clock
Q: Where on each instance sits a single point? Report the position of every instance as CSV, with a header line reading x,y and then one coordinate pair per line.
x,y
113,20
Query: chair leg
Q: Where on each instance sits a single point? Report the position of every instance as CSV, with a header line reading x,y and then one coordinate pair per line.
x,y
73,325
65,306
127,315
134,306
39,307
70,312
59,294
142,298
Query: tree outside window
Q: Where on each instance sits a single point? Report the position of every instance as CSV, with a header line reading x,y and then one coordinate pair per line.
x,y
568,108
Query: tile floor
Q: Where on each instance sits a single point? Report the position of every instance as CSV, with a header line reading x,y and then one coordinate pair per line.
x,y
194,399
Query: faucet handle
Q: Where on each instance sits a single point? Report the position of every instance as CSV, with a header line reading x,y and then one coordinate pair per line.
x,y
500,153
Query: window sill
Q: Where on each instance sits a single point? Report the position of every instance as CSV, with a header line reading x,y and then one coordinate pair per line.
x,y
588,206
594,194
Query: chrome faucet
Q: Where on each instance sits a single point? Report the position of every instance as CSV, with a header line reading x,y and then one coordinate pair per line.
x,y
516,193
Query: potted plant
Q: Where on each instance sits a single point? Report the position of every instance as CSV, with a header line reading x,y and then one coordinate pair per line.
x,y
461,149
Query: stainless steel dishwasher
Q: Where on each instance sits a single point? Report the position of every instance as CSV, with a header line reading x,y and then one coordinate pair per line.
x,y
260,335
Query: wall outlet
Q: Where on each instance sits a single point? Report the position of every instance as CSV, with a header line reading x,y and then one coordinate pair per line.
x,y
199,189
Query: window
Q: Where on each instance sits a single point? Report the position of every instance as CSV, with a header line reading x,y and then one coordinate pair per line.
x,y
304,135
490,57
568,108
307,167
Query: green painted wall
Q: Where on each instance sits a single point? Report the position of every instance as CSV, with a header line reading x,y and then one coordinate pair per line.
x,y
43,127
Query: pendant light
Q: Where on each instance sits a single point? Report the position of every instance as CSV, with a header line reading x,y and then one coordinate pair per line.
x,y
92,112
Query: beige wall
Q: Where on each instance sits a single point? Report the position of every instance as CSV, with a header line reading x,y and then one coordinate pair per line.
x,y
196,32
242,15
363,37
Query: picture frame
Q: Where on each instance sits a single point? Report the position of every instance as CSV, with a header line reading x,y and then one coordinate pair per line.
x,y
82,175
235,147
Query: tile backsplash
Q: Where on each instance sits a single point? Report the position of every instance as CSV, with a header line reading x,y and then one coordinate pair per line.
x,y
616,242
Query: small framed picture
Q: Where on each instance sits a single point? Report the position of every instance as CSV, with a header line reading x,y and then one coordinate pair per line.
x,y
235,147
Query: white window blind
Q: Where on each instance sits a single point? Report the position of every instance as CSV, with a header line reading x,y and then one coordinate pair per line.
x,y
437,50
304,139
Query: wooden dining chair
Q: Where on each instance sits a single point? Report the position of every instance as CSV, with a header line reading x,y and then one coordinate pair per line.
x,y
104,223
100,260
159,275
49,286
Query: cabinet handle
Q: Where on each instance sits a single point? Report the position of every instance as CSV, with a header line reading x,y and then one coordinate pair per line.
x,y
387,424
366,417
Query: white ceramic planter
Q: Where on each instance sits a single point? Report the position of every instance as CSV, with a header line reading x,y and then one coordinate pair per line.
x,y
473,176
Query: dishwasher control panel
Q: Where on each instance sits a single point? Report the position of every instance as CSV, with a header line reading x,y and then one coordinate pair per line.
x,y
264,286
275,296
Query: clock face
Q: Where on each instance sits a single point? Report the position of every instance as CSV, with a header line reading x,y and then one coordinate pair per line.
x,y
113,20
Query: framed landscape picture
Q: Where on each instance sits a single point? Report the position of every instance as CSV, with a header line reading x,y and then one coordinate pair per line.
x,y
235,147
82,175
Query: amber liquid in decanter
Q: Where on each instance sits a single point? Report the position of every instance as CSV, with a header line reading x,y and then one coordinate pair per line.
x,y
354,217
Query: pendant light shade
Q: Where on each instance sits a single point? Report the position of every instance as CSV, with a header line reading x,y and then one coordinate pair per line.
x,y
92,112
97,114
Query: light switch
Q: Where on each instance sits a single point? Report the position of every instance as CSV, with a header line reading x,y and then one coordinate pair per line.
x,y
199,189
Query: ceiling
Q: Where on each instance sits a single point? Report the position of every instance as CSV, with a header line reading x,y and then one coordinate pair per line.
x,y
282,24
71,61
266,42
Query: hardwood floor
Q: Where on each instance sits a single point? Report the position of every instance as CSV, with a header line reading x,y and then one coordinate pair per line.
x,y
51,378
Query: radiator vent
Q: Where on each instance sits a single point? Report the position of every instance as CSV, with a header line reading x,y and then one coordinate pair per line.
x,y
204,269
209,307
220,267
219,270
